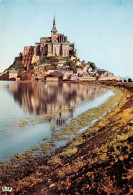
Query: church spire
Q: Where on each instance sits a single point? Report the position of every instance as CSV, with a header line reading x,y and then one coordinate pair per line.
x,y
54,21
54,25
54,34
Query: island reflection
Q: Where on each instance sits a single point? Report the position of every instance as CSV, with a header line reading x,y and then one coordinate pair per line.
x,y
38,98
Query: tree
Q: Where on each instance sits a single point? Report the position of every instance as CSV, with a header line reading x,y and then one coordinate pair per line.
x,y
73,66
83,62
93,66
20,55
129,80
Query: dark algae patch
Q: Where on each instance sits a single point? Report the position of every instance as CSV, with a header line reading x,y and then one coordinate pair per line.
x,y
97,161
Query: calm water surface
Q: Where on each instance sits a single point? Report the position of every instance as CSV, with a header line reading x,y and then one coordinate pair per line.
x,y
23,101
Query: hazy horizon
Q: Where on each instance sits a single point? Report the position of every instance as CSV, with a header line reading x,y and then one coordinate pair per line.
x,y
102,30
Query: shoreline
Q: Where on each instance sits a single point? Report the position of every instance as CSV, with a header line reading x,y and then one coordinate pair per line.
x,y
58,172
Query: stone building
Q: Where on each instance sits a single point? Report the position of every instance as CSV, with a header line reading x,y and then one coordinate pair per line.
x,y
56,45
9,75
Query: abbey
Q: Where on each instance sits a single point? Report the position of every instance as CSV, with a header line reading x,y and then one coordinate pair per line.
x,y
56,45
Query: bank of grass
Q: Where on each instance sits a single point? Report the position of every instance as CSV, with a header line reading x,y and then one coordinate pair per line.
x,y
102,155
90,161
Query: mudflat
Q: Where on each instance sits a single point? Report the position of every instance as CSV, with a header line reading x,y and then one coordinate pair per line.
x,y
97,161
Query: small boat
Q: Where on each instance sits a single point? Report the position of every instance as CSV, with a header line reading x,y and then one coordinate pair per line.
x,y
6,189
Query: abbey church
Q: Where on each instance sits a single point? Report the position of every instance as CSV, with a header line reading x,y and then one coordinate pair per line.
x,y
56,45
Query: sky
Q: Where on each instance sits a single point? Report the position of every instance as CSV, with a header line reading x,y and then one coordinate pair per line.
x,y
102,30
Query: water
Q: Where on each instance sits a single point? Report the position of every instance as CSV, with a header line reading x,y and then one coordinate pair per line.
x,y
24,101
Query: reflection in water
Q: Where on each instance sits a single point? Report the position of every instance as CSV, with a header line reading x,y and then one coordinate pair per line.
x,y
58,101
39,98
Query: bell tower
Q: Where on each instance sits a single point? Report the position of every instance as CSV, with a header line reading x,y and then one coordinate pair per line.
x,y
54,31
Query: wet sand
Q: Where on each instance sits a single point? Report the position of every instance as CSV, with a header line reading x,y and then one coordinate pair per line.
x,y
97,161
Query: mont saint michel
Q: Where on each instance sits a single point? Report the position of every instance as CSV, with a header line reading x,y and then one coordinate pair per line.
x,y
66,124
56,45
54,58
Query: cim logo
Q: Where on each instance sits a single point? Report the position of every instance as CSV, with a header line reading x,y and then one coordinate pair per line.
x,y
6,189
